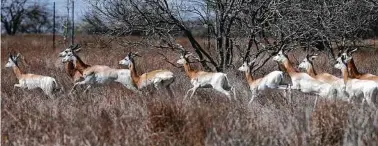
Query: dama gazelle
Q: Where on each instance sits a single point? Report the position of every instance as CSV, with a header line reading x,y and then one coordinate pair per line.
x,y
201,79
272,80
158,78
338,83
353,72
31,81
308,65
355,87
304,82
98,74
75,72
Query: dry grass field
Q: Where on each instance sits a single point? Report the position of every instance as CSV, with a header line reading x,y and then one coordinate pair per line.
x,y
113,115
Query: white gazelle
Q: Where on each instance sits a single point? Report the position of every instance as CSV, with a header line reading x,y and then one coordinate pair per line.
x,y
273,80
31,81
98,74
338,83
352,69
202,79
159,78
304,82
357,88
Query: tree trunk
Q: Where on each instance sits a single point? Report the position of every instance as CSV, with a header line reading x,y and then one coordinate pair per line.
x,y
230,54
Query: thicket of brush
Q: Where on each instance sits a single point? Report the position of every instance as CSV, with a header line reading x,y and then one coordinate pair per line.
x,y
114,115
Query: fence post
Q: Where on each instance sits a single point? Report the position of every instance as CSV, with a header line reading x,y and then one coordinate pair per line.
x,y
73,25
54,27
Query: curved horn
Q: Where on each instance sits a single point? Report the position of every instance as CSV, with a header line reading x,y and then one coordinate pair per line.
x,y
350,51
136,54
77,46
71,47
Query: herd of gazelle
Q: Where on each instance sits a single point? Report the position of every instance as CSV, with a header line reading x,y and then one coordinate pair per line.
x,y
352,85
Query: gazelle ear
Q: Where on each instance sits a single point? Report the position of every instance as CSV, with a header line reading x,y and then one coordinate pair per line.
x,y
252,62
187,55
18,55
136,54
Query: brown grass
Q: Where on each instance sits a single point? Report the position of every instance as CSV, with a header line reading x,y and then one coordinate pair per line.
x,y
113,115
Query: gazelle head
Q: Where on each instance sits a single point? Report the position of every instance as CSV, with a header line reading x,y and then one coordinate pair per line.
x,y
341,63
12,60
307,62
70,56
72,48
280,57
184,57
129,59
246,65
348,54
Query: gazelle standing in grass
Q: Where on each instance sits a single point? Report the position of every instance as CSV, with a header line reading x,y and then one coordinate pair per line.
x,y
304,82
273,80
31,81
353,72
338,83
365,89
97,74
158,78
201,79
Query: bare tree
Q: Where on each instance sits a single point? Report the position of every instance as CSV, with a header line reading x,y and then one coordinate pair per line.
x,y
38,19
17,16
12,13
265,25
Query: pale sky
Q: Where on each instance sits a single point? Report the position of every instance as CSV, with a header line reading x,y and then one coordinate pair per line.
x,y
61,6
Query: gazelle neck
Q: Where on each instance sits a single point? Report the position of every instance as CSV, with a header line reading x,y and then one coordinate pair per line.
x,y
134,75
345,74
353,72
289,67
189,71
249,76
17,71
80,65
70,69
311,71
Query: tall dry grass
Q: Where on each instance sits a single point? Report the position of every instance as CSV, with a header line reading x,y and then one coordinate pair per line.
x,y
113,115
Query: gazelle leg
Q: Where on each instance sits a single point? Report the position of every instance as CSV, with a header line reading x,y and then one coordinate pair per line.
x,y
187,93
254,94
287,92
50,95
193,91
316,100
234,92
169,91
227,93
86,89
49,92
78,83
17,85
363,101
369,102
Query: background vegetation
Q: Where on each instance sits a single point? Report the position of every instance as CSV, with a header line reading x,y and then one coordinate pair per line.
x,y
114,115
